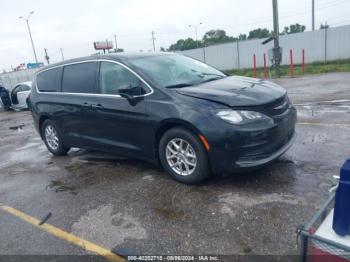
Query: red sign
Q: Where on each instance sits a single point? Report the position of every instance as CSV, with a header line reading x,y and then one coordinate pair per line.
x,y
103,45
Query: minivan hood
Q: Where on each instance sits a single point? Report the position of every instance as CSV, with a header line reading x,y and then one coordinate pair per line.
x,y
236,91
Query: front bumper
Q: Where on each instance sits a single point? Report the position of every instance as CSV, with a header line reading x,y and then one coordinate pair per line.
x,y
235,150
261,161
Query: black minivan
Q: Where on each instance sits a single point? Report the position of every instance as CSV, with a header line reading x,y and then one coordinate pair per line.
x,y
165,108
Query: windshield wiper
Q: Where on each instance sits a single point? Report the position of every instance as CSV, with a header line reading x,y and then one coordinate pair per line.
x,y
211,79
210,74
179,85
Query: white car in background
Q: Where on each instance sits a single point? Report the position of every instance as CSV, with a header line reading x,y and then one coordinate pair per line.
x,y
16,98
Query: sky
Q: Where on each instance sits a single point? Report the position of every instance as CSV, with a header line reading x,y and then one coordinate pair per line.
x,y
74,25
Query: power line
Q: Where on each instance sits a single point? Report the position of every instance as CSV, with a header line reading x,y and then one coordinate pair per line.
x,y
298,12
341,22
283,16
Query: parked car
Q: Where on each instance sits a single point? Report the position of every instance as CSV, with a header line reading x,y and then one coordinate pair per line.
x,y
165,108
5,101
16,98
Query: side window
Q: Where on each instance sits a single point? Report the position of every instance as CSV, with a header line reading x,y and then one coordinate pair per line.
x,y
114,77
79,78
50,80
20,88
16,89
25,88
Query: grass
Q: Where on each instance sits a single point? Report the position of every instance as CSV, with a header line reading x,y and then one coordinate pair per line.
x,y
312,68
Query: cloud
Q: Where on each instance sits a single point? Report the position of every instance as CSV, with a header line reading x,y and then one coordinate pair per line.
x,y
75,25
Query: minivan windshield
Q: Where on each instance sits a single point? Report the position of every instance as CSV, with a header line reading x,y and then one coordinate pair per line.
x,y
176,71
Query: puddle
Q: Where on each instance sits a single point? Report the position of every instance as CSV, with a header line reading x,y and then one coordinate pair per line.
x,y
31,154
59,186
318,138
29,145
148,177
285,160
313,109
102,225
231,203
170,214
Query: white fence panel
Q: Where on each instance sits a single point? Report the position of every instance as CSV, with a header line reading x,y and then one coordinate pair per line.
x,y
11,79
224,57
195,53
249,48
338,43
319,45
312,42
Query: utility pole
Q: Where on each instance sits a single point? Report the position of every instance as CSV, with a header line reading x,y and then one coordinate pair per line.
x,y
46,56
313,15
116,43
238,62
62,54
325,42
153,38
196,31
276,46
30,33
106,46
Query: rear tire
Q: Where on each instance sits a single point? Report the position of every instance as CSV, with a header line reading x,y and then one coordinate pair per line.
x,y
53,139
183,156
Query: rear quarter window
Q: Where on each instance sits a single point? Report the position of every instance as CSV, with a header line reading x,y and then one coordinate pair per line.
x,y
49,80
79,78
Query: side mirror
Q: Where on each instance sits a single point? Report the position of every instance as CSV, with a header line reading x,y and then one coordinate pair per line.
x,y
125,94
129,91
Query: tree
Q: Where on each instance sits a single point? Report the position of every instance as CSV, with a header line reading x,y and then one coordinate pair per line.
x,y
259,33
324,26
294,28
217,36
162,49
185,44
242,37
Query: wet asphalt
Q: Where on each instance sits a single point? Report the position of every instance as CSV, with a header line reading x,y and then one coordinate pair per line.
x,y
126,203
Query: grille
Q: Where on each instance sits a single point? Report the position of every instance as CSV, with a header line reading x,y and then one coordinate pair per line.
x,y
273,109
277,107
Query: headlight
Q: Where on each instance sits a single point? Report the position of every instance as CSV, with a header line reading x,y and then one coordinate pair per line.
x,y
242,117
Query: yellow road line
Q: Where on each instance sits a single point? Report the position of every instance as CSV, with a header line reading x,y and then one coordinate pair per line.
x,y
324,124
86,245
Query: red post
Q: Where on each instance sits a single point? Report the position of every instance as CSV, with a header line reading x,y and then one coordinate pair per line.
x,y
291,68
303,62
265,69
254,66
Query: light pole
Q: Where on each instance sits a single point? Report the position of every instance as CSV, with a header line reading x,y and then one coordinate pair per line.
x,y
116,43
153,38
62,54
196,31
30,34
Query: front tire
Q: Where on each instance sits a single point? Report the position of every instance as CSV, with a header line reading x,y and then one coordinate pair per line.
x,y
183,156
53,139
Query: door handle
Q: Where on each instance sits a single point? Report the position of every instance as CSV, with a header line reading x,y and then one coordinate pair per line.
x,y
86,104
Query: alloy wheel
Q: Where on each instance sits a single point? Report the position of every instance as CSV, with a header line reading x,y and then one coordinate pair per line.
x,y
51,137
181,156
